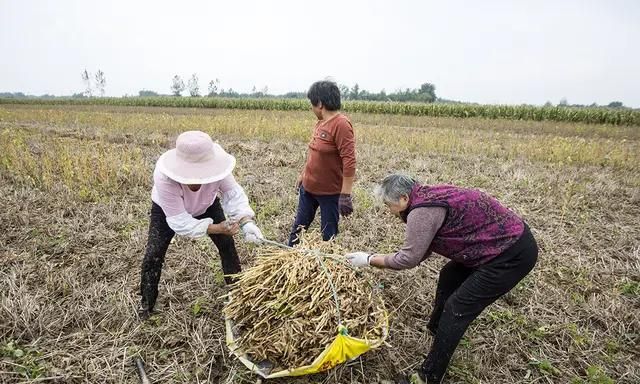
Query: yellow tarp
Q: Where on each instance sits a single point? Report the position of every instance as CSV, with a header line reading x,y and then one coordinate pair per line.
x,y
342,349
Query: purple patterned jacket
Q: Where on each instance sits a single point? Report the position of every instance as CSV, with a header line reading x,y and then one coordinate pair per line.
x,y
477,227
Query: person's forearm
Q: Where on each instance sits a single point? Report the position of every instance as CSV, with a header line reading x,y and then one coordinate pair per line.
x,y
347,185
377,261
213,229
246,219
225,228
397,261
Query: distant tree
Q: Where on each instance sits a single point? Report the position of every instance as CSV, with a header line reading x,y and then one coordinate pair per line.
x,y
214,86
147,93
563,102
265,90
177,86
79,95
229,93
13,95
344,91
101,82
616,104
86,78
548,104
355,92
428,92
295,95
192,84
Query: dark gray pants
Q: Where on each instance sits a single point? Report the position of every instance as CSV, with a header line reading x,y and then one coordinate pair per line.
x,y
160,236
463,293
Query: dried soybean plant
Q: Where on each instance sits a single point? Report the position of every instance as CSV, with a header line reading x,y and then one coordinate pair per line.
x,y
284,310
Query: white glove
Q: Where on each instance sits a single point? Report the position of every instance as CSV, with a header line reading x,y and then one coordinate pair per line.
x,y
252,233
358,259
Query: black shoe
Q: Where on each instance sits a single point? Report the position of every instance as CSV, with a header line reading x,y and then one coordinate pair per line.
x,y
144,313
230,279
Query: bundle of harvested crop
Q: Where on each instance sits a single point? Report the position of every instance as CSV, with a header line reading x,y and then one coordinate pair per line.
x,y
287,307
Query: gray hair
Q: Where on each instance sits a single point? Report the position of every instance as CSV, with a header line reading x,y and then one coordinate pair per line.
x,y
393,187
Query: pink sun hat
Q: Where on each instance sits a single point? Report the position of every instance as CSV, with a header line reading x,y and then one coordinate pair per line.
x,y
196,159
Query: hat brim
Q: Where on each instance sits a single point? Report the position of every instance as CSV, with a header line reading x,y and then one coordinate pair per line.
x,y
207,172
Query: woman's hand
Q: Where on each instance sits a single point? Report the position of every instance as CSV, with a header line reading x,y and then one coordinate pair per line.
x,y
345,204
252,233
299,180
225,228
358,259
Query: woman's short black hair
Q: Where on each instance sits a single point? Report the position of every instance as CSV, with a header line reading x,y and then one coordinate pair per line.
x,y
325,92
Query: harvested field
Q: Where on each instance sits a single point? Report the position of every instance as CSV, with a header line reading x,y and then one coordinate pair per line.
x,y
76,180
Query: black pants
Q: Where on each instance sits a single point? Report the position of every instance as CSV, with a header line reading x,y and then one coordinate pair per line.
x,y
160,236
463,293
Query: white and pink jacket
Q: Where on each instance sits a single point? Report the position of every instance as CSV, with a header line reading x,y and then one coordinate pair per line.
x,y
181,205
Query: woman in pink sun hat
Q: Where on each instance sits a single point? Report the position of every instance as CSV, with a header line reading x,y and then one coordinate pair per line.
x,y
194,193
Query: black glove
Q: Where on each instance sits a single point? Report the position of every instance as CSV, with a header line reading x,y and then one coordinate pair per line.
x,y
345,204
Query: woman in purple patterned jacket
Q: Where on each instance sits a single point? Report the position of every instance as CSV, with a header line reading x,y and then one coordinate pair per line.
x,y
490,250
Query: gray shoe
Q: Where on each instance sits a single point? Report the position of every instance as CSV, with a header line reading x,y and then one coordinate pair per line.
x,y
414,378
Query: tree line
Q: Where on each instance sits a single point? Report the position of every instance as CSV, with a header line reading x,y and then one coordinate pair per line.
x,y
426,93
95,84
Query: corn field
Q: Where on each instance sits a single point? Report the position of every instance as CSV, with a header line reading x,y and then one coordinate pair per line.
x,y
511,112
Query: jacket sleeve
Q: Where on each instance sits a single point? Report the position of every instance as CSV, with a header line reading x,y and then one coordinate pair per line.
x,y
422,226
346,144
235,202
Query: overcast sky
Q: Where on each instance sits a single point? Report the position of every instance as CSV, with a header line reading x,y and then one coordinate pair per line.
x,y
484,51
